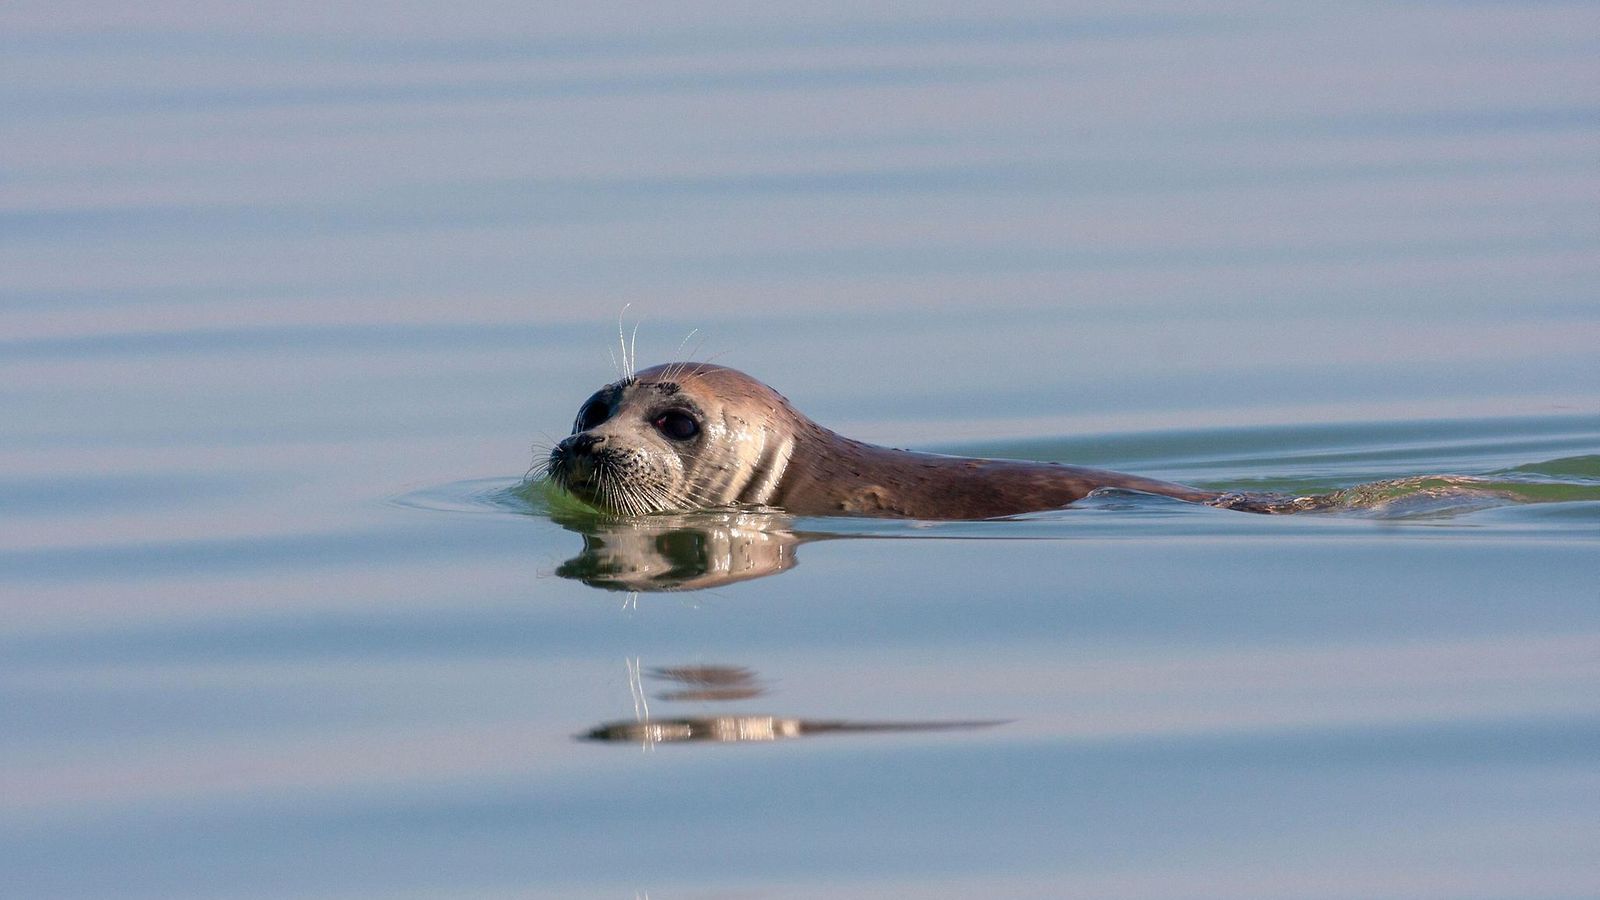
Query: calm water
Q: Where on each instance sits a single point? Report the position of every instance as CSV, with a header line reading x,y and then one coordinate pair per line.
x,y
289,300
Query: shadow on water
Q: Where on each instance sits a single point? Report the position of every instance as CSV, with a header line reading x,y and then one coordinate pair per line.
x,y
718,684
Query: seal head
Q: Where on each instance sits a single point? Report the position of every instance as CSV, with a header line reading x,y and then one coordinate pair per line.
x,y
677,437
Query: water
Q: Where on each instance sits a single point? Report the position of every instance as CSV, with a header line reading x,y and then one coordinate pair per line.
x,y
288,303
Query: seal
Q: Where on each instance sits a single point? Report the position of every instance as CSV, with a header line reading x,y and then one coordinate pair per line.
x,y
691,436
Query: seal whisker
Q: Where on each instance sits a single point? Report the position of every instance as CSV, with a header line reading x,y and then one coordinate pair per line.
x,y
633,352
541,459
674,368
622,343
694,497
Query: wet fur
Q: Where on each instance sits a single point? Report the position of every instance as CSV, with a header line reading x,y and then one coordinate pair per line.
x,y
755,449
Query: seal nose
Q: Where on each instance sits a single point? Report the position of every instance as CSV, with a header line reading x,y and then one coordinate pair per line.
x,y
584,444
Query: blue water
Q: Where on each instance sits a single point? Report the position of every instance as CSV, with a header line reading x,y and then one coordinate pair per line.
x,y
290,300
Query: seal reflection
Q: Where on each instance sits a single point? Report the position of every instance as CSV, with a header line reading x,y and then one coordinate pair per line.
x,y
710,683
689,552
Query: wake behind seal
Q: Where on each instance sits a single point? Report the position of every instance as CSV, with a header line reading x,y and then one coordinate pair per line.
x,y
689,436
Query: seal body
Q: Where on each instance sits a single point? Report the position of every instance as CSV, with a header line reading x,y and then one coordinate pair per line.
x,y
686,436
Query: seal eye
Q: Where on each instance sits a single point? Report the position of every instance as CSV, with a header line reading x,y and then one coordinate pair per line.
x,y
593,413
676,425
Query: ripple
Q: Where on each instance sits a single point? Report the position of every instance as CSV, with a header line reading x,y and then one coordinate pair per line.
x,y
477,495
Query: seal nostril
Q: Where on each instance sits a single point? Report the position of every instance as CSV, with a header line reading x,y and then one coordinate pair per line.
x,y
586,443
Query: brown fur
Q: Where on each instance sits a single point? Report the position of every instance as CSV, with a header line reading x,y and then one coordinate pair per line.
x,y
829,474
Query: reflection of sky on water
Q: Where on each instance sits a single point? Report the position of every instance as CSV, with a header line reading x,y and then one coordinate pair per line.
x,y
535,165
351,735
1162,216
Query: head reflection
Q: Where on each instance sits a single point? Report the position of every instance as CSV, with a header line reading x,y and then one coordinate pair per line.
x,y
686,552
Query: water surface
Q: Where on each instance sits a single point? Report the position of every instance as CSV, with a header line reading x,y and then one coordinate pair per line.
x,y
289,302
